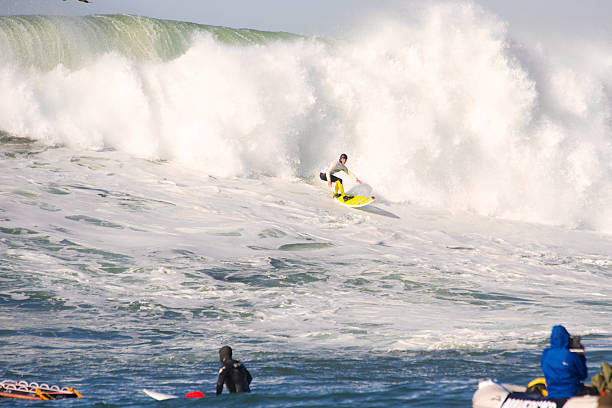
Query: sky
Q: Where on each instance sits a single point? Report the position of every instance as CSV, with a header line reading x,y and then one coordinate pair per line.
x,y
326,16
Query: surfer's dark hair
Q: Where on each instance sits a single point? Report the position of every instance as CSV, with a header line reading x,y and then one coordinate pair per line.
x,y
343,156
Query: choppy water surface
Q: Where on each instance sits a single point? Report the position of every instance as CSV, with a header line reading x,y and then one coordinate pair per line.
x,y
119,274
158,200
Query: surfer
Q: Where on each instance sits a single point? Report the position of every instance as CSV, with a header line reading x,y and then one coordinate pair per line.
x,y
327,174
563,369
233,373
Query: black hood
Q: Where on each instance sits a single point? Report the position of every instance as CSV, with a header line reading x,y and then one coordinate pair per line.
x,y
225,353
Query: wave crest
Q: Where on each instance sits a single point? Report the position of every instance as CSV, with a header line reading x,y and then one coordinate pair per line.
x,y
438,107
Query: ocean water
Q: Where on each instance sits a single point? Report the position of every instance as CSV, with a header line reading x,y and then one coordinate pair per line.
x,y
159,199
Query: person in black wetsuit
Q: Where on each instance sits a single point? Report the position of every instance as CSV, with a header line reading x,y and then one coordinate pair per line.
x,y
233,373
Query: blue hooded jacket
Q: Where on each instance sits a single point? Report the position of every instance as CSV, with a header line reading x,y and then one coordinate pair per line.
x,y
564,370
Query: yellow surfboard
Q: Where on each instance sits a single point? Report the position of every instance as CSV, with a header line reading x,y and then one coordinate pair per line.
x,y
355,200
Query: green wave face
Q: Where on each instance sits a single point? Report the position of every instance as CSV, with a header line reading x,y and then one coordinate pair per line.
x,y
47,41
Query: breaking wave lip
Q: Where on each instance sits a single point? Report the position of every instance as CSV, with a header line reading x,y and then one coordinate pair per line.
x,y
46,41
437,107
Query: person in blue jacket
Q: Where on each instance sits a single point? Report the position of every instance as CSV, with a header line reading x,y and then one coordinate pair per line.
x,y
564,370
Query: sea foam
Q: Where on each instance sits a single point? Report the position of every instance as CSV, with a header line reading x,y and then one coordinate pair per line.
x,y
437,106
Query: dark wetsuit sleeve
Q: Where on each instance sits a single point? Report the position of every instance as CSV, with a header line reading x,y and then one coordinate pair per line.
x,y
248,376
221,379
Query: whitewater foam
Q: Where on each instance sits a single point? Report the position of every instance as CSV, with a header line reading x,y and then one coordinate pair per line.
x,y
437,106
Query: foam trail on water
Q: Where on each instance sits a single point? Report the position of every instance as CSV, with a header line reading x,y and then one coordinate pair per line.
x,y
436,105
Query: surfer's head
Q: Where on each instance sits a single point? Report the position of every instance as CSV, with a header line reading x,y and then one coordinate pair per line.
x,y
343,158
225,353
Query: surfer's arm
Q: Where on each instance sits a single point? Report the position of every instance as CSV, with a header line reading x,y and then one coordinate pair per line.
x,y
353,175
328,174
221,380
248,375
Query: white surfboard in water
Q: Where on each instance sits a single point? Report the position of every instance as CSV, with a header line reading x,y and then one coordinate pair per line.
x,y
158,395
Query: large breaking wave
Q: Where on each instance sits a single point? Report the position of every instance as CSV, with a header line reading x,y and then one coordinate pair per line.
x,y
437,106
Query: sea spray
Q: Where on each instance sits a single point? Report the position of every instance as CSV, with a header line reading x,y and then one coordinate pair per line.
x,y
437,106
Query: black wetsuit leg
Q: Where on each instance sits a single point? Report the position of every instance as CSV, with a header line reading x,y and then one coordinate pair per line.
x,y
333,178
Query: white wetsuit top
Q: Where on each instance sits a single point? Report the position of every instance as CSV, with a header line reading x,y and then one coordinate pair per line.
x,y
335,166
